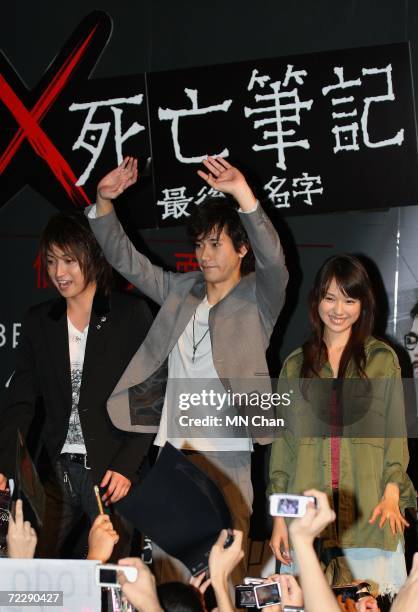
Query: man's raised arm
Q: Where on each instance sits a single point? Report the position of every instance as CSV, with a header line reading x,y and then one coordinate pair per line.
x,y
115,183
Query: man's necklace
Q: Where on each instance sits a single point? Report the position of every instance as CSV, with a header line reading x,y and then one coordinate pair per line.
x,y
196,344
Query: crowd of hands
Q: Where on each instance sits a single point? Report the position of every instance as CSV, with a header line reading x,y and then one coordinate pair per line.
x,y
312,592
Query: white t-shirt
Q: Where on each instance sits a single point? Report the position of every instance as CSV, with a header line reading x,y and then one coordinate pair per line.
x,y
182,366
77,340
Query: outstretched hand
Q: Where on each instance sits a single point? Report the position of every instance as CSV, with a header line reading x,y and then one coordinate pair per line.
x,y
118,180
388,510
227,179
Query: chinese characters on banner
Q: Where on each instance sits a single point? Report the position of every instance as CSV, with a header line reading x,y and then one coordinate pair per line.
x,y
314,133
324,132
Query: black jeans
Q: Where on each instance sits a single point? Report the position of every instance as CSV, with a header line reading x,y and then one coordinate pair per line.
x,y
70,499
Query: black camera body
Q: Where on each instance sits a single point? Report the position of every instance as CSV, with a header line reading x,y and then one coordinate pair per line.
x,y
245,596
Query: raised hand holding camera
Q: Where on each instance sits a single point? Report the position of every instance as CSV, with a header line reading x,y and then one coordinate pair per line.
x,y
315,519
292,506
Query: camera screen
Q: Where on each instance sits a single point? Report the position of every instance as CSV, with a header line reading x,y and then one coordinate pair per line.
x,y
247,598
288,506
267,594
108,576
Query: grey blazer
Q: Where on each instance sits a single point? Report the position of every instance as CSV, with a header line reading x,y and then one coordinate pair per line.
x,y
240,324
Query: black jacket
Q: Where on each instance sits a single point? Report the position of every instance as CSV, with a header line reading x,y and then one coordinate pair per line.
x,y
118,325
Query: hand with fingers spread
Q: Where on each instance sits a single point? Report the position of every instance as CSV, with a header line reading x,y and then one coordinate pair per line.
x,y
117,487
389,510
279,541
227,179
102,539
142,593
21,537
116,182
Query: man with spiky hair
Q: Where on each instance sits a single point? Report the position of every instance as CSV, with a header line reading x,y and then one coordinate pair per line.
x,y
72,352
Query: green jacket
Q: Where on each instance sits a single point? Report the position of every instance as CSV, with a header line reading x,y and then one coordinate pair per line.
x,y
366,464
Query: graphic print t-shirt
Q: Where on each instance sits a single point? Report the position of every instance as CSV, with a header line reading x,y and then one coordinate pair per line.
x,y
77,340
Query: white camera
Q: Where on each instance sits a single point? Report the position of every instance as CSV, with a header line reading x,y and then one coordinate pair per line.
x,y
107,574
290,505
267,594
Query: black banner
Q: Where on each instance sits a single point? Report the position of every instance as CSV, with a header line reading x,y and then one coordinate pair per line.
x,y
315,133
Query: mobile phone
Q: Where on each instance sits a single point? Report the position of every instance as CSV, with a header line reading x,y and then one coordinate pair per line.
x,y
267,594
290,505
107,574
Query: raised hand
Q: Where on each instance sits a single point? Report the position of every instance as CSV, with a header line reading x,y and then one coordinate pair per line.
x,y
309,526
102,539
21,536
118,180
227,179
222,561
142,593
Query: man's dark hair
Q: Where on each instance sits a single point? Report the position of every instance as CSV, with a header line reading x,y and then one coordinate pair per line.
x,y
71,233
179,597
217,213
414,311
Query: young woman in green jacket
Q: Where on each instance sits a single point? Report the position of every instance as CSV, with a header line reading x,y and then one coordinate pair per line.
x,y
360,462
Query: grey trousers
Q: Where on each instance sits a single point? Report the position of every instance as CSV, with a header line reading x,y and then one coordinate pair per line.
x,y
231,472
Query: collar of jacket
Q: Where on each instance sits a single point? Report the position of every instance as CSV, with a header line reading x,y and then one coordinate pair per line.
x,y
372,345
241,288
101,306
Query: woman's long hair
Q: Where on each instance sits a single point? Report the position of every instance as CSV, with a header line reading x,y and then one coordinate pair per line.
x,y
353,280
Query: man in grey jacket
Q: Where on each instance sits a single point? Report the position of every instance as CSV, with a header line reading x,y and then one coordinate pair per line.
x,y
212,325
